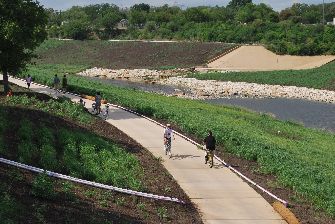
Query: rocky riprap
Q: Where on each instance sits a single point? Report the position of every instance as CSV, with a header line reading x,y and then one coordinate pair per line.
x,y
205,89
132,74
216,89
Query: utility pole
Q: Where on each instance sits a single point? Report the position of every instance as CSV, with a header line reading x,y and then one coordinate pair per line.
x,y
323,12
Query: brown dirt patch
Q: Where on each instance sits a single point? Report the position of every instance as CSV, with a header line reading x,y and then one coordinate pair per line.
x,y
119,55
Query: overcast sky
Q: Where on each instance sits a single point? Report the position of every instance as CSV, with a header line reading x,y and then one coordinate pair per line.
x,y
65,4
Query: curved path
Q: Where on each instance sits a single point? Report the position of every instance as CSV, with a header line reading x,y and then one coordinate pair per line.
x,y
220,195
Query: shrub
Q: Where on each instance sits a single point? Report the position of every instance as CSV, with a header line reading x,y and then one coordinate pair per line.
x,y
43,187
8,208
67,189
162,213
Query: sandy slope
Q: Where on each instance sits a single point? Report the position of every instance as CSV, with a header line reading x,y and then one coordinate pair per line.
x,y
258,58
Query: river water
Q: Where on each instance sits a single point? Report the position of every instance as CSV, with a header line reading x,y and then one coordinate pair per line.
x,y
311,114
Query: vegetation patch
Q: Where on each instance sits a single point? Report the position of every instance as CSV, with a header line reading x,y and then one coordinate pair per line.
x,y
63,108
76,153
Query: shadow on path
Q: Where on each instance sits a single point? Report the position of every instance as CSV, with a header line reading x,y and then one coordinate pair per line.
x,y
180,157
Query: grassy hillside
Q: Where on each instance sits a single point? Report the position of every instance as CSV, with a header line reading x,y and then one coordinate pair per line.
x,y
318,78
118,55
300,158
60,136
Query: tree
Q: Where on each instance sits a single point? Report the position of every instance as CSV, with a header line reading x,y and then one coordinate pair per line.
x,y
76,29
238,3
197,14
76,24
141,7
22,29
110,16
246,14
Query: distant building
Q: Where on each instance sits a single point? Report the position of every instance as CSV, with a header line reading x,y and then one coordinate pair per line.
x,y
331,23
123,24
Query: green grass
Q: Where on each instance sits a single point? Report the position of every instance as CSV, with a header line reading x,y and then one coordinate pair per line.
x,y
49,44
301,158
3,127
318,78
62,148
63,107
52,70
8,206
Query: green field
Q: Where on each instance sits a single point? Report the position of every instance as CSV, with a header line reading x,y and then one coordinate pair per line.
x,y
301,158
318,78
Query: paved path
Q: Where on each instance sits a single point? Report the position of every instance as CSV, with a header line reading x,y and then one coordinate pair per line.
x,y
220,195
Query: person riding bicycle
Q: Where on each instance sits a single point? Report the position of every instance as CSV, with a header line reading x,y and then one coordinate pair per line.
x,y
209,142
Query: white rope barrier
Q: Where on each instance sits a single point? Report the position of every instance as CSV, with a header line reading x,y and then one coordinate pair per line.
x,y
194,143
90,183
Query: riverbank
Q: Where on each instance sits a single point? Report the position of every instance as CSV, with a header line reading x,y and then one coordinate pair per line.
x,y
203,89
211,89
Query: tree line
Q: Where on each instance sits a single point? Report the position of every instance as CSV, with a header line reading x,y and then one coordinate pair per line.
x,y
297,30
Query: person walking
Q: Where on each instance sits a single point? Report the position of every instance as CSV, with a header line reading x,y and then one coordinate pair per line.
x,y
10,92
29,79
64,83
98,103
56,82
106,111
168,134
209,142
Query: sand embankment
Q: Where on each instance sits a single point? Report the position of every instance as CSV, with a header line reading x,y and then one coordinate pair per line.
x,y
258,58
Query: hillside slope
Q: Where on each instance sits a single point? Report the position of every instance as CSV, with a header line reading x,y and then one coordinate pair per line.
x,y
62,137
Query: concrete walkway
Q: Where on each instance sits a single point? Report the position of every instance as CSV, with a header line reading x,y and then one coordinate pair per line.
x,y
220,195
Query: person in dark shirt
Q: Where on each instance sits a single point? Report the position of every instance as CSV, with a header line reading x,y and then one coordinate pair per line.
x,y
98,103
56,82
210,142
64,83
29,79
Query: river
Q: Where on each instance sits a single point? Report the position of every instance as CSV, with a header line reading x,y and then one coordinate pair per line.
x,y
311,114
